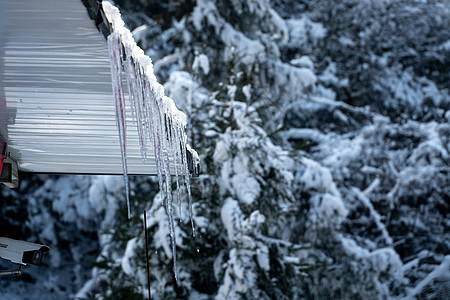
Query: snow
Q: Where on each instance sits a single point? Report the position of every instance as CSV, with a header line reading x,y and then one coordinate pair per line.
x,y
376,216
180,87
127,256
246,90
293,77
303,62
230,210
221,152
138,32
445,46
237,44
332,207
101,196
383,260
346,42
201,62
246,186
202,9
386,260
262,257
300,30
439,271
304,134
231,91
318,178
329,74
162,232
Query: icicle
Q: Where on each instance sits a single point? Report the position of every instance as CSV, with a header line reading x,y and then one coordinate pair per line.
x,y
188,185
130,74
169,208
115,53
175,146
157,136
136,96
160,124
146,113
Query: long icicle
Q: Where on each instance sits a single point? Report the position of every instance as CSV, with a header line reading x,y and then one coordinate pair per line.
x,y
147,256
175,147
188,185
115,53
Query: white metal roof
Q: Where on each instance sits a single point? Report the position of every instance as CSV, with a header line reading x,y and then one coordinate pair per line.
x,y
56,105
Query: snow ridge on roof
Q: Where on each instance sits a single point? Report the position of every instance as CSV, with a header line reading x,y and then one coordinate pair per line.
x,y
144,61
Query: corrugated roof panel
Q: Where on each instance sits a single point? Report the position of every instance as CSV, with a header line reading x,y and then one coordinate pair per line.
x,y
56,105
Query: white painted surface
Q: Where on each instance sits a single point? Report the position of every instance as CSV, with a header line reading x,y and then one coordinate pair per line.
x,y
56,104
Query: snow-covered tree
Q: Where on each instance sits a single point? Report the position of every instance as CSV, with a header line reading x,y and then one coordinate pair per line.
x,y
323,133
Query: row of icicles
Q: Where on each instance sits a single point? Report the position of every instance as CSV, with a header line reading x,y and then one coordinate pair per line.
x,y
159,123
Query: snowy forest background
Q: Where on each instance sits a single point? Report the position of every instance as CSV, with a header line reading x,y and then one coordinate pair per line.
x,y
323,129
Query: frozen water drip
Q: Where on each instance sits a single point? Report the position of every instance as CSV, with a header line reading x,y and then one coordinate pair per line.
x,y
160,125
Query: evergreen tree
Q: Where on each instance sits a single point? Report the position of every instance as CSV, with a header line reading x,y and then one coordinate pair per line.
x,y
323,133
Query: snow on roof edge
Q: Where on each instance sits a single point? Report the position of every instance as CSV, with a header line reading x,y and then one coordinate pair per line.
x,y
112,13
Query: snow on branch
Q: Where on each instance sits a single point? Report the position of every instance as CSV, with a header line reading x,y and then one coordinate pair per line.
x,y
436,273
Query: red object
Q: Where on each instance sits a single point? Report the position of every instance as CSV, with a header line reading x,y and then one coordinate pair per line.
x,y
2,153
